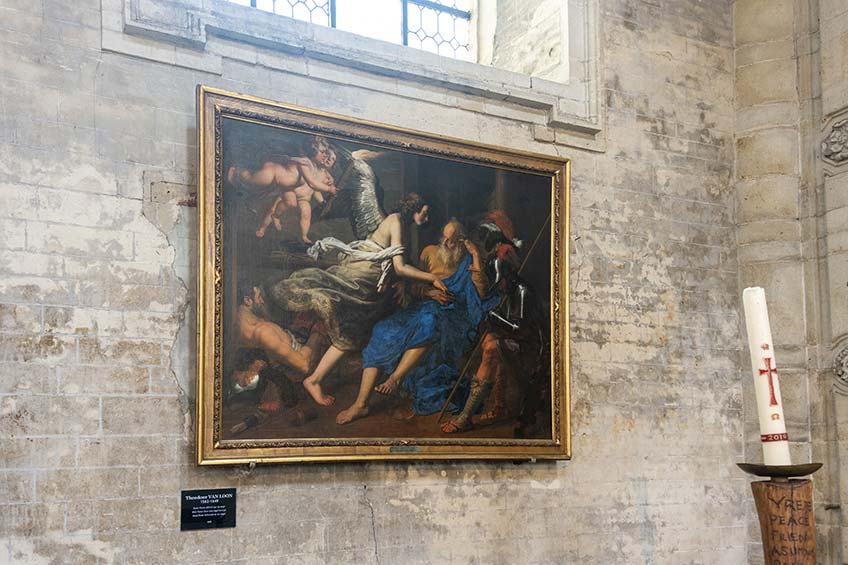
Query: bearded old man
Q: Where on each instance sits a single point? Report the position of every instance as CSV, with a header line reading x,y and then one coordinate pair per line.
x,y
348,298
420,346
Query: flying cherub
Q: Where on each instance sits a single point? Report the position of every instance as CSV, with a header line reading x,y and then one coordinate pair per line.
x,y
296,181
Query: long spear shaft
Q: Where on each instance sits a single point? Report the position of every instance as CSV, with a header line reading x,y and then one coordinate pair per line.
x,y
480,339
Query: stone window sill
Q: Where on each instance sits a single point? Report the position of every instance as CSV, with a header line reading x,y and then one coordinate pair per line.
x,y
198,34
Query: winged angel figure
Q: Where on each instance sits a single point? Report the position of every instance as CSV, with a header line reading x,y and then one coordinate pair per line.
x,y
349,298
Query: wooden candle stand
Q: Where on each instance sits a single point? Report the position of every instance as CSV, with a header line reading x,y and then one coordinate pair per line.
x,y
785,509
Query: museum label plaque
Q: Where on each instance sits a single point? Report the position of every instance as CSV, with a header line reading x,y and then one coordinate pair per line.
x,y
210,508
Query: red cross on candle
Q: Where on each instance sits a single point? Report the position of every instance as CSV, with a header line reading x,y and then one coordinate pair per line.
x,y
770,371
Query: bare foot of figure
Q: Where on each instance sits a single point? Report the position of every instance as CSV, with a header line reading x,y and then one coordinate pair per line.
x,y
314,390
278,225
353,413
261,232
389,387
306,240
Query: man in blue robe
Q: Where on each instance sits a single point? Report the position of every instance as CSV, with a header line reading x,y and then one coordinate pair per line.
x,y
420,347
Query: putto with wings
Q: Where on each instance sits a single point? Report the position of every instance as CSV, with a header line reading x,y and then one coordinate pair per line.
x,y
349,297
285,182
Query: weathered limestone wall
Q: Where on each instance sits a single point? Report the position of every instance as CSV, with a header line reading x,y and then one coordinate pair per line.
x,y
97,173
530,37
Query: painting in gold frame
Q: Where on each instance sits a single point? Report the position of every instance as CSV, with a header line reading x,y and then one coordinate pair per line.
x,y
367,292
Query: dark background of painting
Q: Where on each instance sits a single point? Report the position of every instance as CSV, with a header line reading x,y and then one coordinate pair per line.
x,y
452,189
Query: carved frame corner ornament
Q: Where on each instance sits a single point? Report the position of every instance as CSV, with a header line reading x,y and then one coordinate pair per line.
x,y
840,369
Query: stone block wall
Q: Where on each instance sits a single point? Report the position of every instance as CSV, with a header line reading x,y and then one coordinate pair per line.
x,y
768,182
531,38
97,266
789,91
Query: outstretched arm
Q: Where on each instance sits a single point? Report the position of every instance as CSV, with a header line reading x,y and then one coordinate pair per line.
x,y
421,290
401,268
313,177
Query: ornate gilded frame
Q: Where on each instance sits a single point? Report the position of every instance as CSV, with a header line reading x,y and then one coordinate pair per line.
x,y
213,105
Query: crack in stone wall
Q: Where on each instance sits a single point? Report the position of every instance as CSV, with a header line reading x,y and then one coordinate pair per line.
x,y
373,522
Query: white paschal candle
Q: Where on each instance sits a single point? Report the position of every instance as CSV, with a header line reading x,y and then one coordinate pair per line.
x,y
766,384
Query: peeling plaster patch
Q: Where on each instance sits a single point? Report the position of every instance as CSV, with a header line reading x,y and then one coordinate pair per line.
x,y
81,548
429,507
22,550
623,424
9,412
581,412
188,416
61,173
407,504
647,527
89,179
553,485
164,206
668,300
32,348
161,199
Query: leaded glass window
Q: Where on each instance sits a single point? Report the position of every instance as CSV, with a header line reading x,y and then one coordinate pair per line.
x,y
313,11
438,26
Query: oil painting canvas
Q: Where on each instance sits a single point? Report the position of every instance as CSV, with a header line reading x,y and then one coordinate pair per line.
x,y
367,292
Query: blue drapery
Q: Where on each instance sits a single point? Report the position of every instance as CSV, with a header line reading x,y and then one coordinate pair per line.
x,y
449,330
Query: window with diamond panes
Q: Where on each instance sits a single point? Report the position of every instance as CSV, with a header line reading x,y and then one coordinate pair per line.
x,y
437,26
313,11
